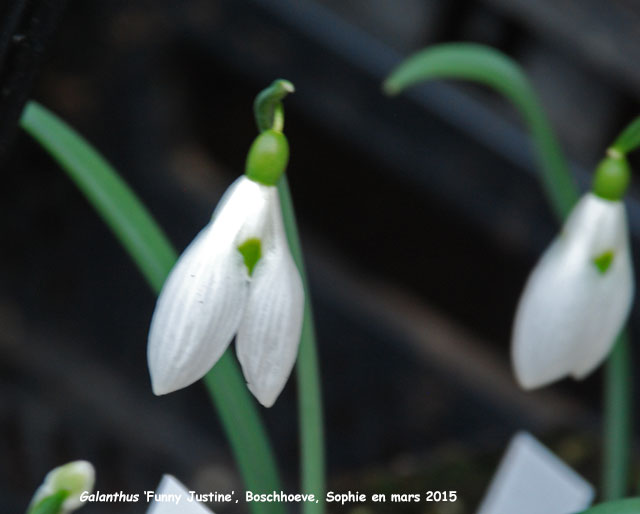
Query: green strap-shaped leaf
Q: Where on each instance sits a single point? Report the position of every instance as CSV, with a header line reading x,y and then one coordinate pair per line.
x,y
478,63
151,251
627,506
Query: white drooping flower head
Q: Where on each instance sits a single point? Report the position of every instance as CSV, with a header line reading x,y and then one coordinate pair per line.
x,y
212,295
74,478
577,298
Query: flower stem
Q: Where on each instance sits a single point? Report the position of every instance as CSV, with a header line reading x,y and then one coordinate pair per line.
x,y
307,375
154,256
269,115
617,425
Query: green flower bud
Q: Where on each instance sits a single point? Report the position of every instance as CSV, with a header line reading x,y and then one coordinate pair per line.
x,y
612,176
267,158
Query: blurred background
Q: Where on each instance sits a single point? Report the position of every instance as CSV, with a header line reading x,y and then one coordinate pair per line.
x,y
420,218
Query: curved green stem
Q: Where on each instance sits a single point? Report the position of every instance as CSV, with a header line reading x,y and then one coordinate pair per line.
x,y
488,66
150,250
267,107
269,115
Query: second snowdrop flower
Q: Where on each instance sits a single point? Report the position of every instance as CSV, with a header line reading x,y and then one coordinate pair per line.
x,y
62,489
579,294
238,278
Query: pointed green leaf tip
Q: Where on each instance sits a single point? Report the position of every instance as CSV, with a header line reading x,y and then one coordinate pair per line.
x,y
251,251
603,261
51,504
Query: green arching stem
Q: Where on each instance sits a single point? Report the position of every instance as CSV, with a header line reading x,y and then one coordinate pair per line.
x,y
487,66
490,67
154,256
269,118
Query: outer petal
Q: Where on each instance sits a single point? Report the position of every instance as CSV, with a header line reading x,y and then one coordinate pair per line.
x,y
268,337
202,301
570,313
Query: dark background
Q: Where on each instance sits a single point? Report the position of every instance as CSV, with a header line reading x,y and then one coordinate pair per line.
x,y
420,217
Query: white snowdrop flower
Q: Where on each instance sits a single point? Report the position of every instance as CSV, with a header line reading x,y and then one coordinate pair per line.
x,y
238,278
577,298
73,479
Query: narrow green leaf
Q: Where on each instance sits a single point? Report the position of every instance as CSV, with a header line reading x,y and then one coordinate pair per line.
x,y
112,198
627,506
629,138
151,251
487,66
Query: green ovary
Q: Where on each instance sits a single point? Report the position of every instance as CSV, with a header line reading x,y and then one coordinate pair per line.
x,y
251,251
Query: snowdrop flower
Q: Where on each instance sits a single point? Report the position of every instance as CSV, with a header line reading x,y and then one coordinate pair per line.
x,y
238,278
63,486
579,295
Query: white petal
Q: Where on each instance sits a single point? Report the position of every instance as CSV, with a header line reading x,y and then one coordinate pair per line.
x,y
570,313
269,334
201,303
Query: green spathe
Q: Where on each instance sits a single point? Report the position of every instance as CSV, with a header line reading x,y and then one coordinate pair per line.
x,y
268,157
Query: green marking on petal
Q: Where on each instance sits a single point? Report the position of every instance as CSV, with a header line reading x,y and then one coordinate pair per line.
x,y
603,261
251,251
